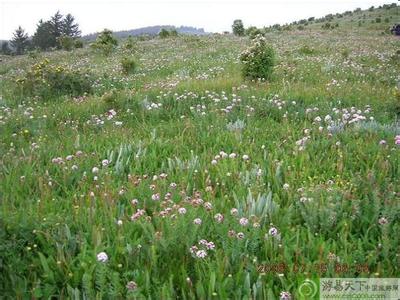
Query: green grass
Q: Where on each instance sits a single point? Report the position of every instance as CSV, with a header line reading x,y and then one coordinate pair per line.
x,y
324,186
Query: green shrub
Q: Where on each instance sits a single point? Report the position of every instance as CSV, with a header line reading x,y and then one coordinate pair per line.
x,y
164,33
66,42
128,65
305,49
105,42
78,43
130,44
258,60
47,80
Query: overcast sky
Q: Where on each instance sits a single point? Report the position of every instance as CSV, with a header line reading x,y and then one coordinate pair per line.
x,y
213,16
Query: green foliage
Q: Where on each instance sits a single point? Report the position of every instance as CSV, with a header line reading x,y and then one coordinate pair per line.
x,y
307,50
253,31
19,41
164,33
43,37
130,44
258,60
105,42
5,49
238,28
128,65
47,80
66,42
312,154
78,43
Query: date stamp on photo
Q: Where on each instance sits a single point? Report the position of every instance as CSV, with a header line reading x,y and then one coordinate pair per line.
x,y
321,268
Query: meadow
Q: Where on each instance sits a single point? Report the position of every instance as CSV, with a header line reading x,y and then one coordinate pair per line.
x,y
183,180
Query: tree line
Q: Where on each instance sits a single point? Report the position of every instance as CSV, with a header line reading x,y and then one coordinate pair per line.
x,y
59,32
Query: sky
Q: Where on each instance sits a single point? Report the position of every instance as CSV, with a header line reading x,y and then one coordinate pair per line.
x,y
213,16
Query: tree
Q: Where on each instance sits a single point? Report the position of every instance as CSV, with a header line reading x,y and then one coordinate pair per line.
x,y
19,41
5,49
105,42
43,37
56,23
164,33
238,28
69,27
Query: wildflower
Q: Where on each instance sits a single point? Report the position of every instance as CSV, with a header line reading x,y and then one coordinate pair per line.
x,y
382,142
286,186
172,185
256,225
74,167
95,170
102,257
69,157
383,221
155,197
285,296
232,155
119,222
273,231
131,285
245,157
243,221
210,245
193,250
134,202
240,235
197,221
207,205
182,210
105,162
234,211
213,162
219,218
231,233
201,254
332,256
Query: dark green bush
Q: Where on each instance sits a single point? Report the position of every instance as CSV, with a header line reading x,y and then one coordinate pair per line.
x,y
66,42
258,60
105,42
128,65
47,80
78,43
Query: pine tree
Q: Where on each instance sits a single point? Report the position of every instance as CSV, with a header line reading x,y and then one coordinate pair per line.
x,y
56,22
69,27
43,37
20,41
5,49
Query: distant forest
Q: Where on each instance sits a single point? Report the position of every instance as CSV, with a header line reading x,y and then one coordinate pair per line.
x,y
150,30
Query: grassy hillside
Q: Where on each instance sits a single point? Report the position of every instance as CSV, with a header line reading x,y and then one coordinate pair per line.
x,y
183,180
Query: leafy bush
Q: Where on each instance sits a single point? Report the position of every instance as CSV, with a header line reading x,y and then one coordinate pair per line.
x,y
105,42
130,44
128,65
78,43
307,50
253,31
258,60
66,42
47,80
164,33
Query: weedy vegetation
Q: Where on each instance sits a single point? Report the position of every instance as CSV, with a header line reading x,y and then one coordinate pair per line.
x,y
169,168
